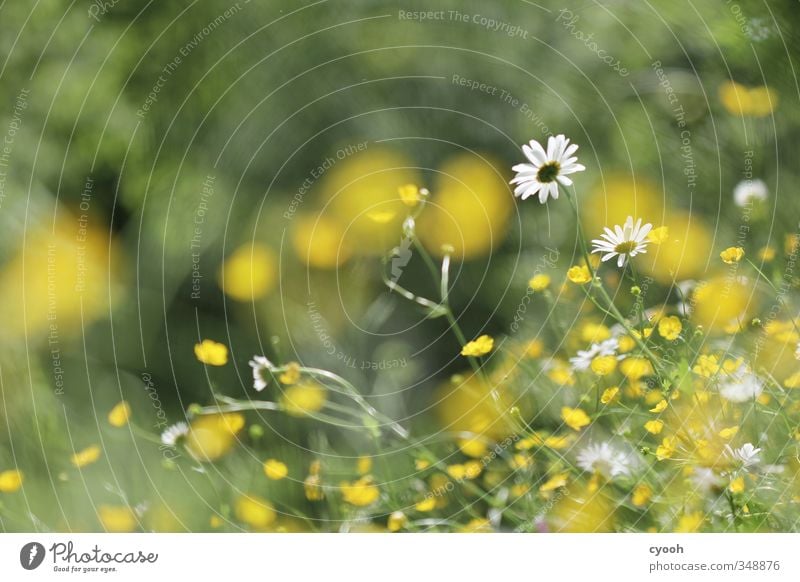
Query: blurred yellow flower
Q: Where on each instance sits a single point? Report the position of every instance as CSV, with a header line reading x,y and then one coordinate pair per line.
x,y
670,328
575,418
690,522
667,448
594,333
732,255
478,347
582,511
635,368
254,511
476,525
685,256
275,470
561,374
397,521
641,495
409,194
554,482
291,375
303,399
579,274
626,344
421,464
10,481
659,235
539,282
737,485
721,301
660,407
212,436
746,101
120,414
426,505
473,447
86,456
312,486
654,426
361,492
728,433
609,394
604,365
364,465
117,518
249,273
319,242
211,353
470,210
766,254
706,365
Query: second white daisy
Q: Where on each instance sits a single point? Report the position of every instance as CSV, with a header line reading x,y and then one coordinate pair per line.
x,y
546,169
623,242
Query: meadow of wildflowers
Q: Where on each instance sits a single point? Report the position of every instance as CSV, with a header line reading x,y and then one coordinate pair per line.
x,y
303,269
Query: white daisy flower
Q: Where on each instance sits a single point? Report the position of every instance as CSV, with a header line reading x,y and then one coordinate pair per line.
x,y
748,190
584,358
546,168
604,459
747,454
741,386
261,366
624,241
174,433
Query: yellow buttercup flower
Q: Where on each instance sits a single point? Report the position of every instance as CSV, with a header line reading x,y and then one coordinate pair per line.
x,y
364,465
721,301
641,495
554,482
478,347
609,394
360,493
706,366
275,470
667,448
659,235
211,353
732,255
291,375
604,365
303,399
728,433
249,273
539,282
636,367
319,242
426,505
670,328
397,521
409,194
117,518
473,447
457,471
254,511
575,418
660,407
10,481
626,344
737,485
745,101
592,332
534,348
212,436
120,414
690,522
654,426
579,274
86,456
476,525
561,374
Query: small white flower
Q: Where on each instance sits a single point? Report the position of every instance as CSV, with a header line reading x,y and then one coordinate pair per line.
x,y
624,241
747,454
260,366
546,168
747,190
604,459
174,433
584,358
741,386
